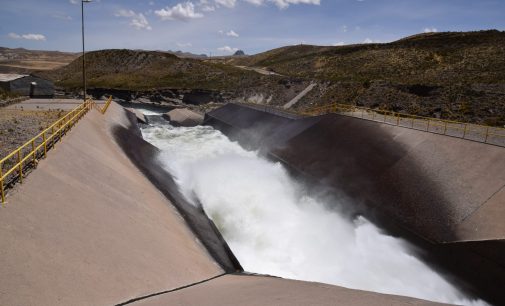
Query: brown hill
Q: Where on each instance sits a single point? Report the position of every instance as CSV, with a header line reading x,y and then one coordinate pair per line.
x,y
141,70
457,76
137,70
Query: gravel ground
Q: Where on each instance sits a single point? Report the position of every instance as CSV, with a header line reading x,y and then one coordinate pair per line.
x,y
19,126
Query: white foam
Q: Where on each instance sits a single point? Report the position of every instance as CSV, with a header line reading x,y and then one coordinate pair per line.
x,y
148,112
274,228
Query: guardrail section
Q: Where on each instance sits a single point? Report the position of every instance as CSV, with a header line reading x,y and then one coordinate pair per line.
x,y
105,107
469,131
26,157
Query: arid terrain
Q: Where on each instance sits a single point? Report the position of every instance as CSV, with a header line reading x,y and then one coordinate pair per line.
x,y
26,61
19,126
453,75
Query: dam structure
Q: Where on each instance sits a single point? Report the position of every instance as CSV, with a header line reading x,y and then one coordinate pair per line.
x,y
122,213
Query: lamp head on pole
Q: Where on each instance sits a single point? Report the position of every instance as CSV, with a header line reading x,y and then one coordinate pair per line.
x,y
86,1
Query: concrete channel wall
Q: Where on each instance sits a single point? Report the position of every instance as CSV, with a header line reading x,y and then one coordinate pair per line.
x,y
446,194
98,224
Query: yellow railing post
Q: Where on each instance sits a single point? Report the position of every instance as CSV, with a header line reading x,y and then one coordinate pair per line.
x,y
445,128
20,167
45,144
464,131
2,184
60,131
428,128
398,120
33,151
53,142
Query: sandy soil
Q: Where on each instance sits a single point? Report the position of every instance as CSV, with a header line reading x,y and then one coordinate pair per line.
x,y
19,126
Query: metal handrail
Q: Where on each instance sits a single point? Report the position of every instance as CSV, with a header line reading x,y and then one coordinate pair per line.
x,y
57,130
487,134
105,107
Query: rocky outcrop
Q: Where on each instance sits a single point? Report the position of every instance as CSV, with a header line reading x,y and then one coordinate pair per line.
x,y
183,117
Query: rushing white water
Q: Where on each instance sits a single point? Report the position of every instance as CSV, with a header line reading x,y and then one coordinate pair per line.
x,y
148,112
274,228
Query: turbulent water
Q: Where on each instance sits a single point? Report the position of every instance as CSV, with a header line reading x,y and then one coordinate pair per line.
x,y
274,228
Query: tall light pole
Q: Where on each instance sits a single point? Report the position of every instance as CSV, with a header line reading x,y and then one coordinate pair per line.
x,y
83,50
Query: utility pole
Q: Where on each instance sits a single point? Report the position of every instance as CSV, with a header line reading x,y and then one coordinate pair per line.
x,y
83,49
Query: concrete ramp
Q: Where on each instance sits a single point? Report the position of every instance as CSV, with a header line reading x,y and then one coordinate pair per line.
x,y
88,228
255,290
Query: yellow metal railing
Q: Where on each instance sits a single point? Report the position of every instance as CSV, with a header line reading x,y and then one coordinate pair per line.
x,y
27,155
470,131
105,107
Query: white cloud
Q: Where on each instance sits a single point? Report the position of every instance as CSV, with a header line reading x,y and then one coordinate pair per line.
x,y
344,28
227,49
340,43
226,3
206,6
230,33
138,21
371,41
38,37
430,30
255,2
283,4
182,11
74,1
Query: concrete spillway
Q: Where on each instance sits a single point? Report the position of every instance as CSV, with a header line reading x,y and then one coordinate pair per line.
x,y
446,194
99,222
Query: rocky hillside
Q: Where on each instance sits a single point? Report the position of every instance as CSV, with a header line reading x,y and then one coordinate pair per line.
x,y
141,71
457,76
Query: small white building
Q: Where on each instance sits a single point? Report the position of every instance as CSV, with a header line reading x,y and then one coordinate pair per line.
x,y
27,85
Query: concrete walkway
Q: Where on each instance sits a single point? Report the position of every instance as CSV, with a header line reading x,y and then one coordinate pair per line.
x,y
87,228
49,104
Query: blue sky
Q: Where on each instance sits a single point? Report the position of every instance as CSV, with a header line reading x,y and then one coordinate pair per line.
x,y
222,26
